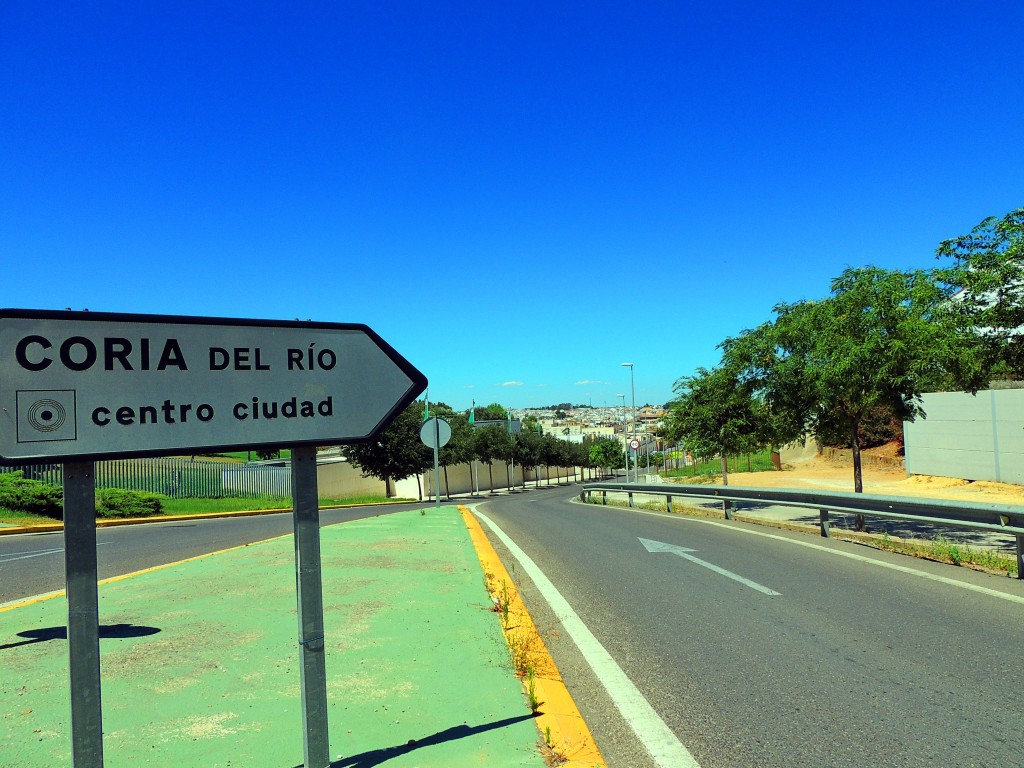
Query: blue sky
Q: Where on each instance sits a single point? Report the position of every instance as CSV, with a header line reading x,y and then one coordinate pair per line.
x,y
517,196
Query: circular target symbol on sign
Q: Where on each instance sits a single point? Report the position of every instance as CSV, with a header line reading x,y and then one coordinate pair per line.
x,y
46,415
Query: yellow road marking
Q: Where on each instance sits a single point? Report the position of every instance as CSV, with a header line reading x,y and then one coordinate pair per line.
x,y
559,720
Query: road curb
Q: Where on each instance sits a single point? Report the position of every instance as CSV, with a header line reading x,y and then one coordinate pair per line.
x,y
563,732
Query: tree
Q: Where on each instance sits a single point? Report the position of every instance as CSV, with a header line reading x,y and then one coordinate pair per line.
x,y
491,412
606,453
550,454
397,452
577,457
715,413
528,448
490,443
881,339
987,276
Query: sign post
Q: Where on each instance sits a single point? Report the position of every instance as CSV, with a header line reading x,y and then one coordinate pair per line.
x,y
435,433
76,387
309,602
83,614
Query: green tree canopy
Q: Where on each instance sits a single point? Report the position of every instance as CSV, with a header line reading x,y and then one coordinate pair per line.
x,y
715,413
492,443
397,452
987,275
607,453
875,345
490,412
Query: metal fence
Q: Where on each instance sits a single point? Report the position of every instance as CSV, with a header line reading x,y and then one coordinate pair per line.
x,y
1000,518
177,478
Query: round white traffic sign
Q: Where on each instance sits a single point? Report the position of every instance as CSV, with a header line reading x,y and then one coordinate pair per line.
x,y
435,433
634,444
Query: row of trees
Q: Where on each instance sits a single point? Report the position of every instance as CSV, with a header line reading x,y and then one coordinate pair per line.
x,y
398,452
833,367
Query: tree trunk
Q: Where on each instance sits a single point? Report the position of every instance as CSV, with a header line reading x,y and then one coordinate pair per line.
x,y
419,486
490,474
387,488
447,493
858,477
725,481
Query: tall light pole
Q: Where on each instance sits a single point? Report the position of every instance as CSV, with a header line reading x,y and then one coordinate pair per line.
x,y
632,389
625,434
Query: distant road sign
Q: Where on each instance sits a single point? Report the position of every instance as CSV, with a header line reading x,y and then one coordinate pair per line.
x,y
91,385
634,444
435,432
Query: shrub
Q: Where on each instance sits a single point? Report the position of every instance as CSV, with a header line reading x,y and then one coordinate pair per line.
x,y
23,495
118,502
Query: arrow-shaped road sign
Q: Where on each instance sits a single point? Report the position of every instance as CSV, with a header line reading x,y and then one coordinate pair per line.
x,y
684,552
92,385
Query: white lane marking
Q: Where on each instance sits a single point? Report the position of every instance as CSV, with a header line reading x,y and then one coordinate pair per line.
x,y
656,736
850,555
684,552
11,557
26,555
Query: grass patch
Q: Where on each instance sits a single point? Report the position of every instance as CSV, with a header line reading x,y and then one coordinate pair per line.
x,y
16,517
710,468
944,550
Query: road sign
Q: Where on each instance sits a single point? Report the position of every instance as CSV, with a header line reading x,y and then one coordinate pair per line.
x,y
435,433
634,444
90,385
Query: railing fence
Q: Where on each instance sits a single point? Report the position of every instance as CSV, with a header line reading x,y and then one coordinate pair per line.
x,y
1000,518
177,477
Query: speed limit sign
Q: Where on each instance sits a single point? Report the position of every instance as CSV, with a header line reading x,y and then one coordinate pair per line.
x,y
634,444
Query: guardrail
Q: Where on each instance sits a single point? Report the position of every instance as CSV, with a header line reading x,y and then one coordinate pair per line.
x,y
999,518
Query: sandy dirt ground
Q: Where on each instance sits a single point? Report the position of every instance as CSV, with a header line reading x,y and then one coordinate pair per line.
x,y
816,471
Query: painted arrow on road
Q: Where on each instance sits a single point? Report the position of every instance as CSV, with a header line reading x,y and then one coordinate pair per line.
x,y
684,552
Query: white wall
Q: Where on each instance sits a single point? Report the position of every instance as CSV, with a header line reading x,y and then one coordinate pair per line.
x,y
974,437
460,479
337,479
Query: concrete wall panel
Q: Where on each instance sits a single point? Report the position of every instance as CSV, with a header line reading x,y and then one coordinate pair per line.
x,y
975,437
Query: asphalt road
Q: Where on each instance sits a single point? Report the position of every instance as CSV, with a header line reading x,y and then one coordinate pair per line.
x,y
33,564
852,664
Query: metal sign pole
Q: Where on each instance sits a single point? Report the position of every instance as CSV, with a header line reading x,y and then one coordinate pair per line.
x,y
437,470
83,614
309,597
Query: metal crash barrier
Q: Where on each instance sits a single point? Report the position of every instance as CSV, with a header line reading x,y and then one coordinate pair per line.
x,y
997,518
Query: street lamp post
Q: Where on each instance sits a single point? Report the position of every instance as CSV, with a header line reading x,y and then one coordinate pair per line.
x,y
625,434
632,390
